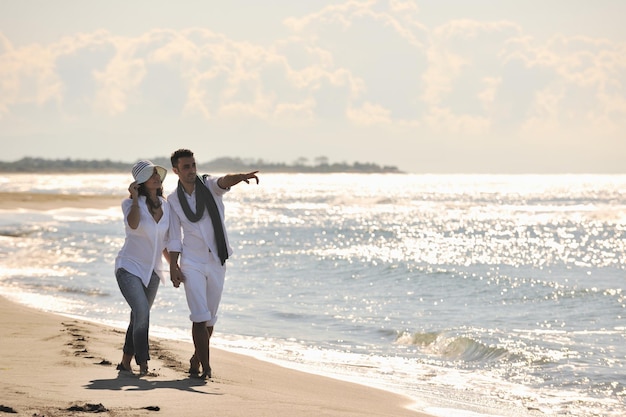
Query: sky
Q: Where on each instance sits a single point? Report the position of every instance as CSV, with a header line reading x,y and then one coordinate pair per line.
x,y
446,86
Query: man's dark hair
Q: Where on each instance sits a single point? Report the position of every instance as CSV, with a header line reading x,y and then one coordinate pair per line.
x,y
181,153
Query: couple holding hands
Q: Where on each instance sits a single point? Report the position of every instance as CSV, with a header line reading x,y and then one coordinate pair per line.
x,y
187,229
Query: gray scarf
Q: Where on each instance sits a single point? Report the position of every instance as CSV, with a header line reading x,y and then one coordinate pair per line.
x,y
204,198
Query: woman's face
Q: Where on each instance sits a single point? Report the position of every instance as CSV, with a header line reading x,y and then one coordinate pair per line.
x,y
154,182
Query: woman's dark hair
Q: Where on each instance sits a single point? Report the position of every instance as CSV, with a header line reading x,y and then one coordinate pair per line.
x,y
151,205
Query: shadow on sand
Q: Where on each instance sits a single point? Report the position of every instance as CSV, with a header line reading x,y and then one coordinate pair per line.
x,y
133,383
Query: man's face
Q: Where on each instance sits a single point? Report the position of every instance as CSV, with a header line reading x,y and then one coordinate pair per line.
x,y
186,169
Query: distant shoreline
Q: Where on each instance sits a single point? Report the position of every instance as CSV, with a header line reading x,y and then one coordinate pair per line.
x,y
35,165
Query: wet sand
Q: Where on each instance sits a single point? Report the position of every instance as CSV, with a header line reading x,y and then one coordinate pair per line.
x,y
51,365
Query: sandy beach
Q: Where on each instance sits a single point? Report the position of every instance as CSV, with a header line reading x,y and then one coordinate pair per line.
x,y
41,201
52,365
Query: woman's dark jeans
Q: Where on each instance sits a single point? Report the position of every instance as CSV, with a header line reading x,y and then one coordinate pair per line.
x,y
140,300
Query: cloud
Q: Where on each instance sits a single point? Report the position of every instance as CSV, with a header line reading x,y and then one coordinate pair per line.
x,y
27,76
370,63
587,83
369,114
400,16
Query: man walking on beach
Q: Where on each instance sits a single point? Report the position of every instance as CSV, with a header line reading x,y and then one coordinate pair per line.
x,y
198,237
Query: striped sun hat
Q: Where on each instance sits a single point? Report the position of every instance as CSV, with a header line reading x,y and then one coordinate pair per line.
x,y
143,170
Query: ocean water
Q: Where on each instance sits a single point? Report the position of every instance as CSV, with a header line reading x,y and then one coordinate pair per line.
x,y
471,294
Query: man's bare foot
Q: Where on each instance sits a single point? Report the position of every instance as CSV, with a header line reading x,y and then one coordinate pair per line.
x,y
145,371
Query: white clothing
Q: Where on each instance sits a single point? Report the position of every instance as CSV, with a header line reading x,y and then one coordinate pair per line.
x,y
199,260
143,247
196,239
203,290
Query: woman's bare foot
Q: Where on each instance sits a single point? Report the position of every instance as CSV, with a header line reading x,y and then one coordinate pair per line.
x,y
124,365
194,366
123,368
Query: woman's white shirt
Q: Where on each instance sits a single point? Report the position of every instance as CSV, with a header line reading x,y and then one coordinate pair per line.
x,y
143,247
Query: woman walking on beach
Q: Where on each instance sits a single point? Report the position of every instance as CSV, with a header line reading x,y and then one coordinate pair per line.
x,y
139,264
